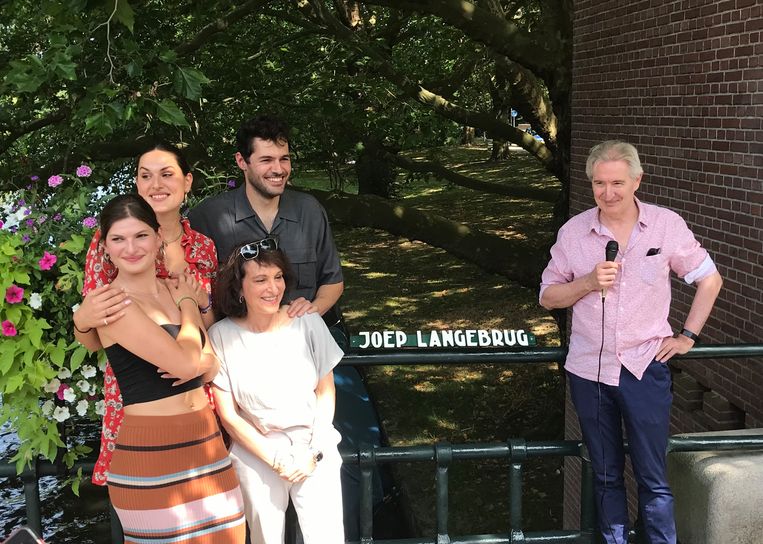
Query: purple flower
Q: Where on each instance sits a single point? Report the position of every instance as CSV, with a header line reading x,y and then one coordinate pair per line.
x,y
29,187
90,222
84,171
22,202
47,261
35,178
231,183
30,222
57,217
14,294
9,329
27,211
55,181
1,224
25,238
42,219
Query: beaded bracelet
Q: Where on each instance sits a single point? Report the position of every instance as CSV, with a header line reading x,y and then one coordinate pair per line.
x,y
186,297
206,308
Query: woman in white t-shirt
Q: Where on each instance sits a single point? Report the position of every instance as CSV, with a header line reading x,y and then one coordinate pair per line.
x,y
275,396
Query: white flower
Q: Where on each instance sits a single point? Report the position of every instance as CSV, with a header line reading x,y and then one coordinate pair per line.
x,y
64,373
35,301
61,413
52,386
100,407
47,407
84,386
82,407
75,308
88,371
69,395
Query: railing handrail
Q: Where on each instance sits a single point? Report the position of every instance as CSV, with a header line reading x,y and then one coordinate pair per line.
x,y
415,357
515,450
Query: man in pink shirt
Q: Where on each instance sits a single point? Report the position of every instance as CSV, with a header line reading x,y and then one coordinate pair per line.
x,y
621,341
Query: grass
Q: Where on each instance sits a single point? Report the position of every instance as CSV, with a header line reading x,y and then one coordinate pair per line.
x,y
394,283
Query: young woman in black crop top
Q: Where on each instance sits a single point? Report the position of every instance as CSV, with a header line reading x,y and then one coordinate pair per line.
x,y
170,475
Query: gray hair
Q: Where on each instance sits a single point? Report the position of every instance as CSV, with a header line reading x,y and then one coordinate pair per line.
x,y
614,150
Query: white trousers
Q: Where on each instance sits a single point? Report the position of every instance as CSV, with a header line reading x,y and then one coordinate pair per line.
x,y
317,499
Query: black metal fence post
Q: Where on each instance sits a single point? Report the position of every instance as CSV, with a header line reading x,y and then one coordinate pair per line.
x,y
367,461
444,456
518,449
31,479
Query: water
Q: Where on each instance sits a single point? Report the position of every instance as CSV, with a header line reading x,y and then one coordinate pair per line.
x,y
66,518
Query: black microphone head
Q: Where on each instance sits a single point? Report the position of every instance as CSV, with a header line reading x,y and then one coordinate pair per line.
x,y
612,249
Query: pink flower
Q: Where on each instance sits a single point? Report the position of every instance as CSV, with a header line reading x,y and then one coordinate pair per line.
x,y
47,261
90,222
14,294
84,171
55,181
9,329
61,390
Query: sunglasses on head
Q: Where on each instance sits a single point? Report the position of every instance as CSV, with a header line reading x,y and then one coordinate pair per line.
x,y
252,249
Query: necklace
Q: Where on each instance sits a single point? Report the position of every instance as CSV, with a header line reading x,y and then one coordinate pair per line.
x,y
180,234
131,291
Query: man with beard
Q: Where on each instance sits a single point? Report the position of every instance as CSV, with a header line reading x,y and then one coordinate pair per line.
x,y
265,207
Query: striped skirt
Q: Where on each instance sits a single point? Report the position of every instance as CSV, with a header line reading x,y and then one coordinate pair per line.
x,y
171,481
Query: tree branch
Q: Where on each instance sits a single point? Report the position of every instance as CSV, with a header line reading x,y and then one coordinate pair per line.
x,y
517,260
540,55
33,126
218,26
450,110
543,194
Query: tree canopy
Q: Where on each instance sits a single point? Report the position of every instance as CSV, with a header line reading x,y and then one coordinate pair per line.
x,y
86,79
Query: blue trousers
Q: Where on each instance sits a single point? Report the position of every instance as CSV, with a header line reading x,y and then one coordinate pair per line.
x,y
643,406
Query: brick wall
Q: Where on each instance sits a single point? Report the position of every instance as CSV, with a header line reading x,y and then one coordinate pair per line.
x,y
683,81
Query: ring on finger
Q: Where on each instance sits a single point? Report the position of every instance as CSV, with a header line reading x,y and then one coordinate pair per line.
x,y
105,321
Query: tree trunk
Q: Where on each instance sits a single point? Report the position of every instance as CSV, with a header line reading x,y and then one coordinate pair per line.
x,y
376,176
500,151
467,136
517,260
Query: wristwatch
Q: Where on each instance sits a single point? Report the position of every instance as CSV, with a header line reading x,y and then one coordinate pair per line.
x,y
689,334
317,455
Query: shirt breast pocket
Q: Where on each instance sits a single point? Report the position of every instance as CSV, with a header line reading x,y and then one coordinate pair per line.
x,y
654,269
304,263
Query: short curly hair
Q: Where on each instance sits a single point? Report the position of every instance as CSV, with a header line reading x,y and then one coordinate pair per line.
x,y
266,127
230,278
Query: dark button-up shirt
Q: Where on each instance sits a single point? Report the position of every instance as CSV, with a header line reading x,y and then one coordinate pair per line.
x,y
301,227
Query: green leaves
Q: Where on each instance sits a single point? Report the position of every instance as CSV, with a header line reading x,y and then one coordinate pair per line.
x,y
188,82
124,14
168,112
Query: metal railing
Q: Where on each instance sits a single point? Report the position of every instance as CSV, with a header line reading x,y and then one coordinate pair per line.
x,y
515,452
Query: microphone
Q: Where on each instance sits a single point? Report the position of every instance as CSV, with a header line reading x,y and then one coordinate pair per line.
x,y
610,253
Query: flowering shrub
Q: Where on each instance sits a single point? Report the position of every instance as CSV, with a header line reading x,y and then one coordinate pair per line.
x,y
47,379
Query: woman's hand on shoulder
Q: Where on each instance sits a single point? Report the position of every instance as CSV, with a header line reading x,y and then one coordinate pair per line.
x,y
181,287
101,306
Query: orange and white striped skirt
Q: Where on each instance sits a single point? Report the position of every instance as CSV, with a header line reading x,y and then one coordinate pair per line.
x,y
171,481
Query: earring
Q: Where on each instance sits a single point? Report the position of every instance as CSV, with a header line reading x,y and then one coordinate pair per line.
x,y
106,257
241,299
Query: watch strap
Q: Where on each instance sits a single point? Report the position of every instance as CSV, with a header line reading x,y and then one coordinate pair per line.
x,y
689,334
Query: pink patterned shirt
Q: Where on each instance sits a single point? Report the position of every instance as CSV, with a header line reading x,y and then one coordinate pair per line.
x,y
637,305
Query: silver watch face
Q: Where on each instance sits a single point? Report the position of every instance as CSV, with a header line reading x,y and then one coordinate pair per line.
x,y
318,455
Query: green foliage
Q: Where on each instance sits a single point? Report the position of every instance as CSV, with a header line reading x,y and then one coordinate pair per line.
x,y
47,379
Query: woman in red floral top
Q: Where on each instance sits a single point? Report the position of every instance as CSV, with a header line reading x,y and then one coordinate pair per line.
x,y
163,180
